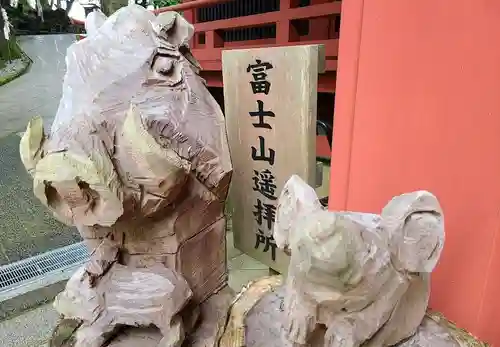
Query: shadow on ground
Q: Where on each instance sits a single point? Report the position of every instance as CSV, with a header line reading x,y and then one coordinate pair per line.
x,y
27,228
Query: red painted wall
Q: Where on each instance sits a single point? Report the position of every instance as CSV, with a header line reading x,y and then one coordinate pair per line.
x,y
418,107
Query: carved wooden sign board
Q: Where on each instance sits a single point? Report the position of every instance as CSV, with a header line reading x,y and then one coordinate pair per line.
x,y
270,106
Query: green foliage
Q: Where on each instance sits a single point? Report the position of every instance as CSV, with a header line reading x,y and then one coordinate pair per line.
x,y
111,6
165,3
9,50
15,74
25,20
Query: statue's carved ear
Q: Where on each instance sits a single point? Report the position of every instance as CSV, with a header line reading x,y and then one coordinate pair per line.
x,y
30,147
414,227
296,201
173,34
94,21
173,28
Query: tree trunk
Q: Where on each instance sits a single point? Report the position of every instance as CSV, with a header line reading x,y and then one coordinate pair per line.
x,y
39,9
3,41
69,3
8,47
111,6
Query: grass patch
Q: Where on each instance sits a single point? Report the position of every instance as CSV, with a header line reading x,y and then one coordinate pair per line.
x,y
15,74
12,51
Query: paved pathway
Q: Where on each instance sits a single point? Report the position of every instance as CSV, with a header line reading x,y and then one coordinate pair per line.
x,y
30,329
37,92
34,328
26,227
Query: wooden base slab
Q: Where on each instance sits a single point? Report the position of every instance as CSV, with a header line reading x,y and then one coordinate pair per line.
x,y
213,312
256,320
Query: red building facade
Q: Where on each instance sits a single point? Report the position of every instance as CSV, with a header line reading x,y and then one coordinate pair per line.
x,y
416,108
223,24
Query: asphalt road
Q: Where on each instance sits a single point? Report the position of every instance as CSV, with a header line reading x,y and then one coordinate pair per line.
x,y
26,227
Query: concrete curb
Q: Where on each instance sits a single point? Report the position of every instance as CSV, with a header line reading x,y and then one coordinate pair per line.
x,y
18,73
34,293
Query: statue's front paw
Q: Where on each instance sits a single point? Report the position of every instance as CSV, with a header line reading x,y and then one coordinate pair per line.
x,y
339,341
299,329
174,335
340,336
91,336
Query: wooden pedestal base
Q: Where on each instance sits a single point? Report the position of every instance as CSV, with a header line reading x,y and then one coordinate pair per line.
x,y
257,316
213,318
255,319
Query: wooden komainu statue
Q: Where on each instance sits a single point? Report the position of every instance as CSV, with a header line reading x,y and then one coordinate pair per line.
x,y
137,159
354,280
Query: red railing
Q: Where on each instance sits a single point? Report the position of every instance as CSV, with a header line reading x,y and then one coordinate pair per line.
x,y
319,16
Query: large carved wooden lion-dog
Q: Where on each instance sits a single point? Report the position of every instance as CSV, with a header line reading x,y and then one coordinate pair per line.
x,y
137,159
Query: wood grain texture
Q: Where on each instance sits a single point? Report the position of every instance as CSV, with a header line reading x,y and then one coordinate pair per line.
x,y
256,320
139,163
354,279
292,97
